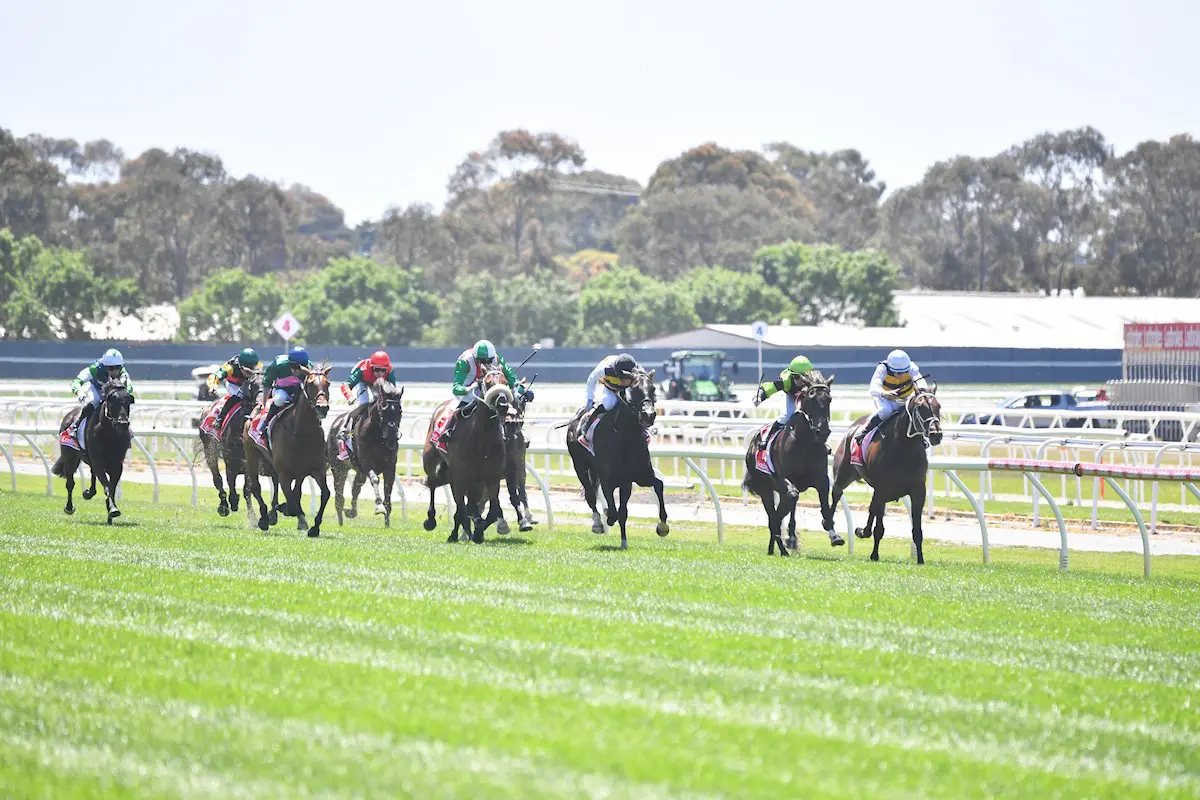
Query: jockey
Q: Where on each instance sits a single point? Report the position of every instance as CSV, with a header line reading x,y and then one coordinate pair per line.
x,y
282,368
233,374
894,381
787,382
469,370
357,390
89,381
610,376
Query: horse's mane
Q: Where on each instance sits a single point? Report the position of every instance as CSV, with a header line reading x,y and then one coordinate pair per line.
x,y
322,367
813,378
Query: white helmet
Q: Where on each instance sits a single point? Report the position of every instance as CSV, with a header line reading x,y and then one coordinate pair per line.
x,y
112,358
898,361
484,350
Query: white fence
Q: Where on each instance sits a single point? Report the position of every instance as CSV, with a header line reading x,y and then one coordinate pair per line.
x,y
697,462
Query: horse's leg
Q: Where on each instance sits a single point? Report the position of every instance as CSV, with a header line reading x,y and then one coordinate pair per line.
x,y
254,487
323,483
293,497
355,487
233,467
374,479
767,495
210,457
460,511
878,507
275,497
339,484
495,514
431,517
609,499
662,529
822,487
587,481
90,492
69,477
917,503
623,511
114,480
389,480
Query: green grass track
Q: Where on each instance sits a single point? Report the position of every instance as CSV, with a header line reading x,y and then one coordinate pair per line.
x,y
181,654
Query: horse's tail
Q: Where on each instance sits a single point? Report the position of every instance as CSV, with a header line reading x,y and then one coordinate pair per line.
x,y
60,465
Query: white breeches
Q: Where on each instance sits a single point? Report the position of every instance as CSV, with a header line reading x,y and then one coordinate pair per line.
x,y
789,407
593,381
89,393
280,398
606,397
233,389
362,395
472,394
885,408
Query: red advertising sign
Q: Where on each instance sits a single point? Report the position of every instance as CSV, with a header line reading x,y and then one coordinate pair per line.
x,y
1162,336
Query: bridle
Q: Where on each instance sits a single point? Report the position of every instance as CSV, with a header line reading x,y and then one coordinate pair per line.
x,y
105,412
920,425
647,410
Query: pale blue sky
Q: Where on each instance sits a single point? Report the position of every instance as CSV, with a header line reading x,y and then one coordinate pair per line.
x,y
373,104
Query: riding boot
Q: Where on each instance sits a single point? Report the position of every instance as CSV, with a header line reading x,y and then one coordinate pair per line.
x,y
871,425
272,410
775,426
85,413
452,424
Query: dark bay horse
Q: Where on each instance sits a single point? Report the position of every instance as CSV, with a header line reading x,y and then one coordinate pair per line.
x,y
622,455
106,441
376,437
515,446
895,464
799,458
228,447
297,449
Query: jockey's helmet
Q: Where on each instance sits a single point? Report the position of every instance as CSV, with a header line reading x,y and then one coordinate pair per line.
x,y
298,355
485,350
898,361
112,358
248,358
800,365
624,363
380,361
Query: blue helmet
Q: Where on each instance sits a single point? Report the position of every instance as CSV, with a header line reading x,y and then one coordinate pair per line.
x,y
298,355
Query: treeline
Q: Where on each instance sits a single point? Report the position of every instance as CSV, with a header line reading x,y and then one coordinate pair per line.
x,y
1059,211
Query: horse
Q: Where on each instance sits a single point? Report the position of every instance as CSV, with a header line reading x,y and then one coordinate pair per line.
x,y
895,464
106,441
621,443
515,446
297,449
798,456
227,446
376,437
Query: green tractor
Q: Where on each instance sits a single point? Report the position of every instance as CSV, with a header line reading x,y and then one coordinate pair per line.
x,y
699,375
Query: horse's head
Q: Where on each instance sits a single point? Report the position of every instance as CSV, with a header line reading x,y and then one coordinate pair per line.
x,y
925,415
387,405
814,399
115,403
499,399
251,390
316,387
641,396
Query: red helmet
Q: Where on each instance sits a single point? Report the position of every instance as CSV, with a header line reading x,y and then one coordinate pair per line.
x,y
380,360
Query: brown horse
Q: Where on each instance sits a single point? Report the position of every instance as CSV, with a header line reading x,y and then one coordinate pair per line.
x,y
895,464
297,449
470,459
376,437
799,458
227,447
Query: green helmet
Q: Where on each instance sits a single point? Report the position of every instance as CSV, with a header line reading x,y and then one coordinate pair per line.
x,y
248,358
485,350
800,365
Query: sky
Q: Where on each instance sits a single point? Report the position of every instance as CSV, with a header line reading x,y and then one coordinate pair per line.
x,y
373,104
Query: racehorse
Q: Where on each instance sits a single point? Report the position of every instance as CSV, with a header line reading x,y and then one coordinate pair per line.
x,y
474,463
297,449
376,437
106,440
621,443
227,446
895,464
798,456
515,446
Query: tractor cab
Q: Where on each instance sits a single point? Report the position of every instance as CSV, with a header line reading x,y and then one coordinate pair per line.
x,y
703,375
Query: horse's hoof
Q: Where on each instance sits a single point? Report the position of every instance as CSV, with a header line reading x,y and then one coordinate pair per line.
x,y
88,494
662,529
380,510
274,517
860,533
223,510
597,528
351,513
68,510
116,512
314,531
429,524
624,545
612,519
477,538
110,520
874,556
263,524
233,503
525,527
387,520
502,527
452,538
793,543
836,541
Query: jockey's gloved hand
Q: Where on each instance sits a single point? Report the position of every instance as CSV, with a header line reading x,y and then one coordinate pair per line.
x,y
760,395
590,403
528,394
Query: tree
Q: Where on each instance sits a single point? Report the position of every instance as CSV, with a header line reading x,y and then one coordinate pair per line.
x,y
721,295
253,223
842,188
1152,241
625,306
231,306
31,191
518,312
356,301
828,284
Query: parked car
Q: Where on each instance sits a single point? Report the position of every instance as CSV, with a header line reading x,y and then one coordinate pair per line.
x,y
1042,400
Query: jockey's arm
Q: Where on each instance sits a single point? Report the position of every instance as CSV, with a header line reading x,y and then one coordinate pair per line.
x,y
594,378
128,382
83,377
877,389
914,374
510,374
356,376
460,376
